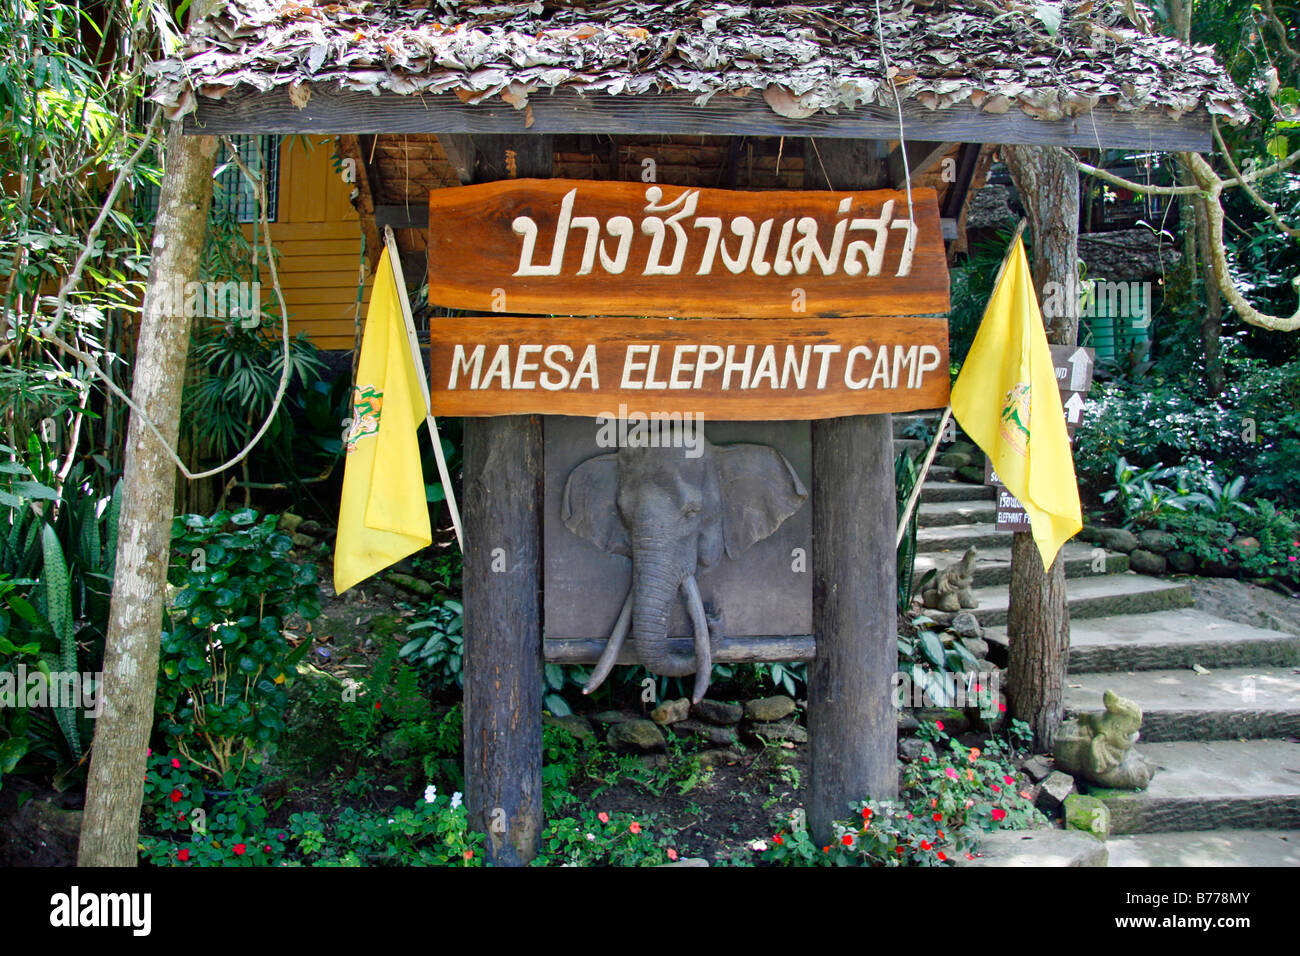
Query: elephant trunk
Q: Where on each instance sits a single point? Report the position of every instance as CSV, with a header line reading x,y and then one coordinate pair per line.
x,y
655,583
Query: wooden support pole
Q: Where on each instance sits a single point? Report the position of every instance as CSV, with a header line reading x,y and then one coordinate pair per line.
x,y
852,726
502,592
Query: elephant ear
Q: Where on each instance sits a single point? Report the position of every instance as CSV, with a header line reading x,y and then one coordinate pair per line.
x,y
759,488
589,508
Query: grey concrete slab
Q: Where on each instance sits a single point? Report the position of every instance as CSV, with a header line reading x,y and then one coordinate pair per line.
x,y
1224,704
1097,596
993,564
934,514
1215,848
1048,847
955,539
1212,785
936,491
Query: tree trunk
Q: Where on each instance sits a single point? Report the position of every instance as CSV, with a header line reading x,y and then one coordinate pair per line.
x,y
114,790
1212,322
1038,620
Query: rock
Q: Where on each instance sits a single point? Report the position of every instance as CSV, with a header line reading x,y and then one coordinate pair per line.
x,y
289,522
725,756
941,618
1246,544
717,712
954,459
1181,561
672,711
653,761
1055,788
1127,254
411,584
1038,767
999,647
301,540
686,861
636,736
607,717
1160,542
954,721
1146,562
712,734
767,709
1090,533
311,527
963,448
977,647
966,624
906,721
973,474
910,749
577,725
1088,814
1117,539
777,731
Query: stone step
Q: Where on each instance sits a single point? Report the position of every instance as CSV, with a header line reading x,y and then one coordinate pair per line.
x,y
935,491
957,538
914,447
940,473
1175,638
1227,704
1097,596
936,514
1212,785
905,420
993,565
1207,848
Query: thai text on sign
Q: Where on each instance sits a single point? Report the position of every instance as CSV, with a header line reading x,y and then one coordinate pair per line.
x,y
584,248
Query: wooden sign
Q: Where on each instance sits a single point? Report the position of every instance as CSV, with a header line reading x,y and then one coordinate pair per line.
x,y
721,369
578,247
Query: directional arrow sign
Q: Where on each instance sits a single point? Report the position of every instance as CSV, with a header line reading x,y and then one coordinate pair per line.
x,y
1074,408
1080,370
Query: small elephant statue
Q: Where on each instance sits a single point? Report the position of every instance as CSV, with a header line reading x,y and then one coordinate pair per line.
x,y
674,515
952,589
1099,747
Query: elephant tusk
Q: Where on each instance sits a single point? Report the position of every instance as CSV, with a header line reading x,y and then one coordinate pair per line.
x,y
615,644
703,652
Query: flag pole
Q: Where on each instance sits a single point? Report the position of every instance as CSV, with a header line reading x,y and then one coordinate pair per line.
x,y
947,412
390,241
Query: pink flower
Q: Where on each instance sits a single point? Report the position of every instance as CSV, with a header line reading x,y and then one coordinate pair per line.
x,y
603,817
176,764
183,855
999,814
634,827
672,854
951,773
938,725
995,788
1009,781
239,848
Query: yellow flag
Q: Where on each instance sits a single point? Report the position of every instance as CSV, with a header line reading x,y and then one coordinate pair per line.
x,y
1006,400
384,515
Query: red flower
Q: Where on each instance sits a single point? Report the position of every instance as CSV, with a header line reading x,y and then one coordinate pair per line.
x,y
183,855
995,788
866,813
925,760
999,814
926,845
267,848
898,850
941,836
378,705
635,827
672,854
826,849
942,857
176,796
938,818
176,764
1002,708
239,848
1009,781
468,855
603,817
777,840
938,725
847,840
969,856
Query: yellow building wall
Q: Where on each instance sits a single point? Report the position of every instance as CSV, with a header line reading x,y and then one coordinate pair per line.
x,y
318,236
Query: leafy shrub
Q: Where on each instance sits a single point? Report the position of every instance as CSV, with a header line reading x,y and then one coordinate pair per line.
x,y
225,665
602,839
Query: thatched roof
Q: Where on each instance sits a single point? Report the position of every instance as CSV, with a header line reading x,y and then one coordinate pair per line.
x,y
802,58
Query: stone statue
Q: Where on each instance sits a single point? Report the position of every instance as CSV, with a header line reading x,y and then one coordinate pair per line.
x,y
1099,746
952,588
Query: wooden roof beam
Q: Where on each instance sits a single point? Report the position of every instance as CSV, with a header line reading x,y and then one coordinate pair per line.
x,y
334,111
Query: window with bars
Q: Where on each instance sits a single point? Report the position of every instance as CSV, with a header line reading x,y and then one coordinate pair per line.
x,y
232,193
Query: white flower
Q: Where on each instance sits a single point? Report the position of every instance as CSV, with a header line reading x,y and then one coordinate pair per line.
x,y
591,836
455,800
391,820
431,793
758,845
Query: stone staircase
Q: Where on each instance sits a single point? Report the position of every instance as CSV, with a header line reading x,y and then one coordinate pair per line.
x,y
1227,790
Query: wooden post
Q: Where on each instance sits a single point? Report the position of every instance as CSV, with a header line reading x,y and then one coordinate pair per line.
x,y
852,725
502,592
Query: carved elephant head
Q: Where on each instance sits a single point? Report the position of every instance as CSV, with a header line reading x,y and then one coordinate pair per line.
x,y
675,516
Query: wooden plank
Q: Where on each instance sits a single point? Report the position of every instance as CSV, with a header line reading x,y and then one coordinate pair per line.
x,y
852,727
922,156
593,250
332,279
502,584
290,231
333,111
731,650
346,295
723,369
350,150
299,248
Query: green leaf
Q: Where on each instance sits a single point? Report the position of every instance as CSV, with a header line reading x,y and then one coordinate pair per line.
x,y
12,751
557,705
1049,14
933,648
